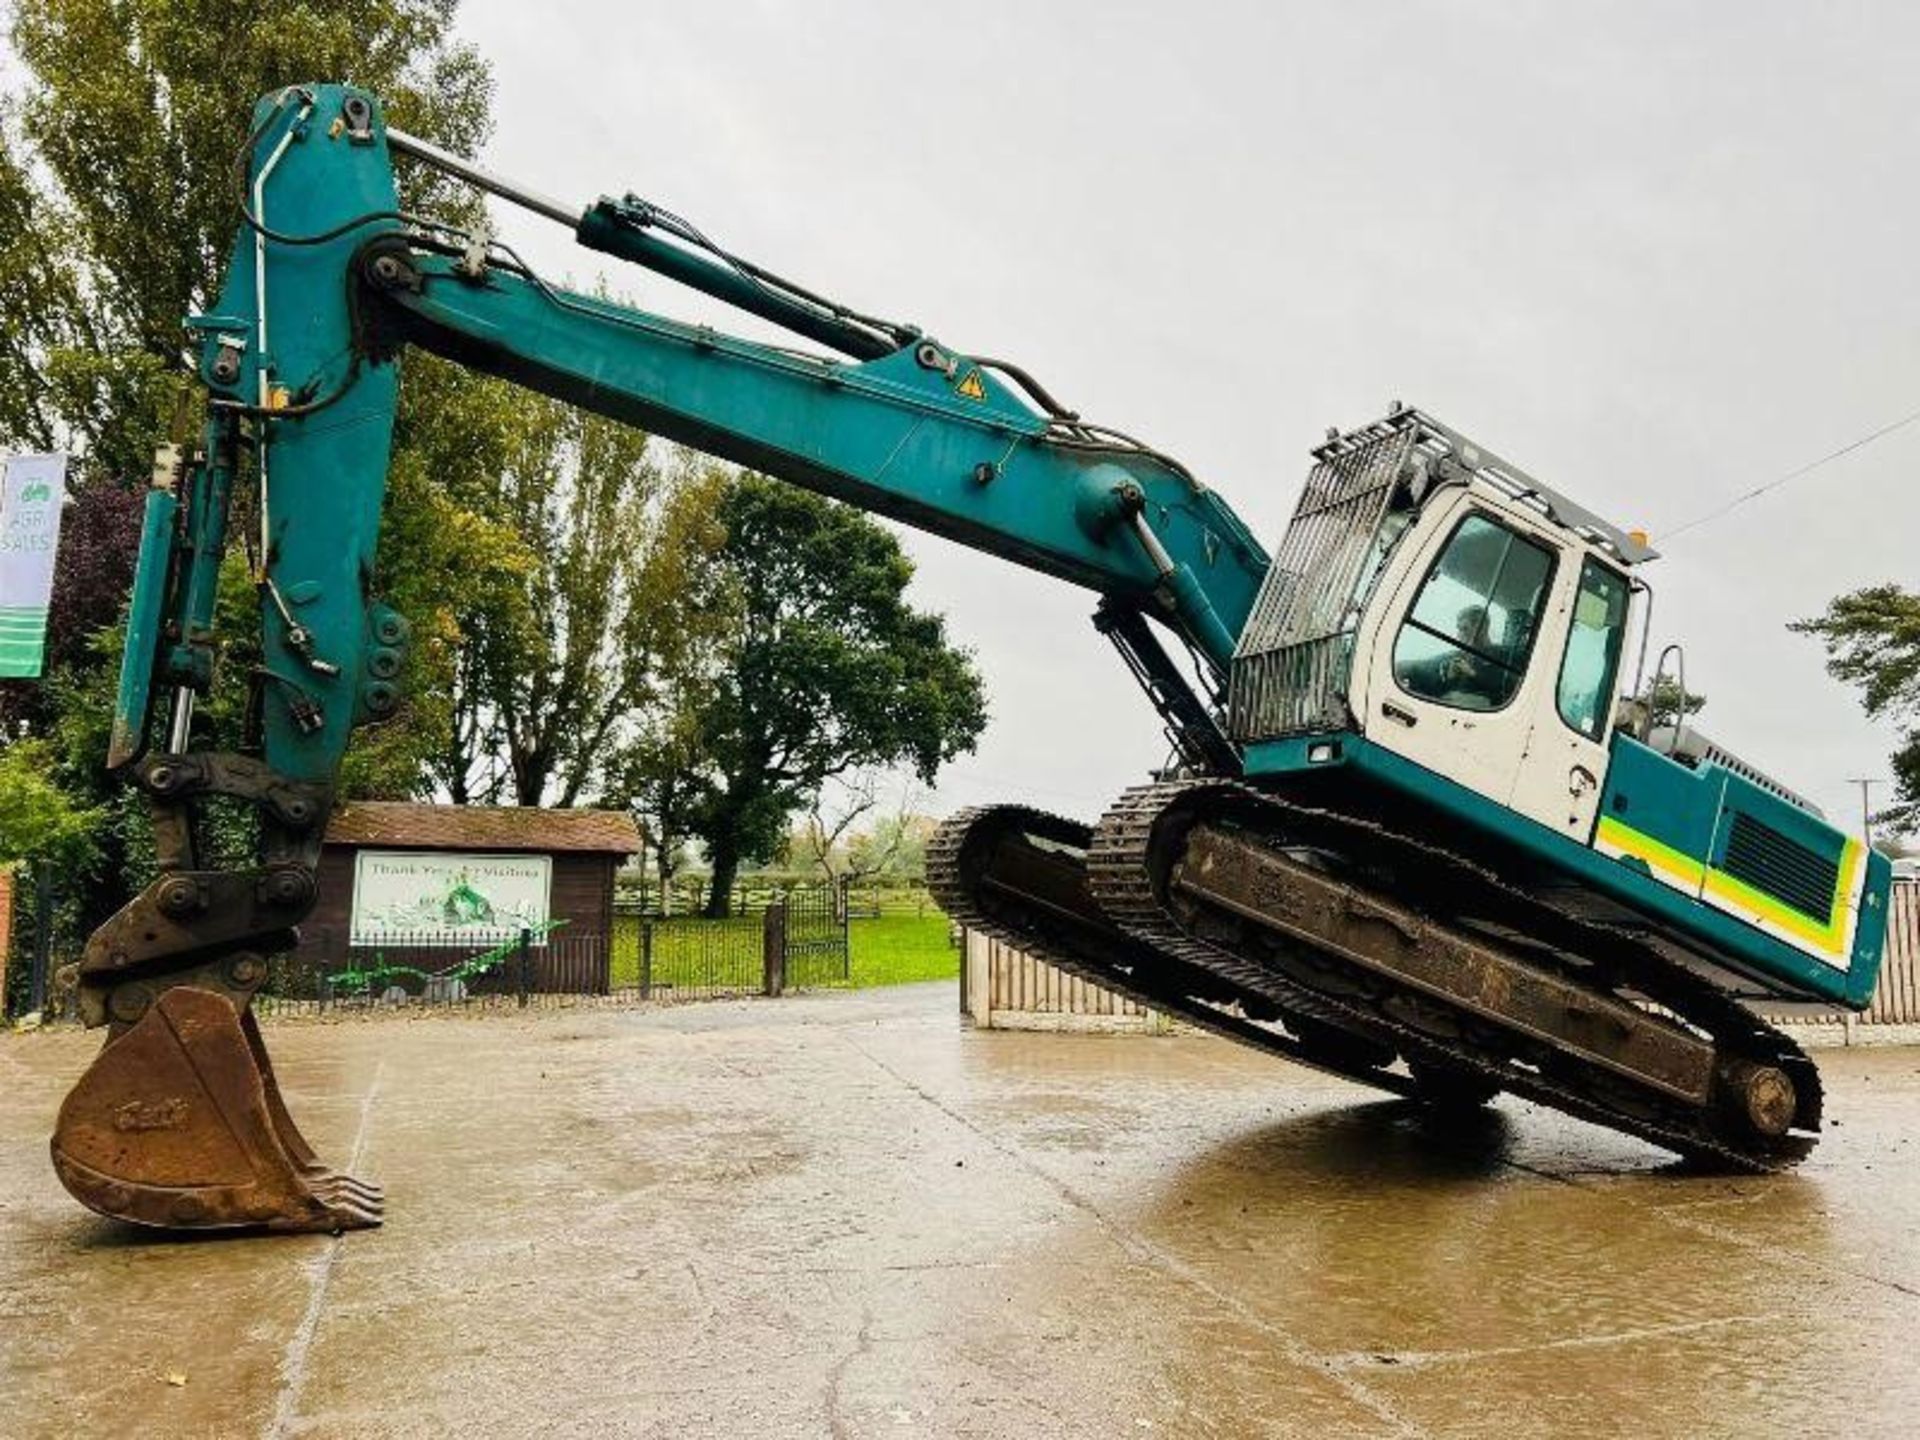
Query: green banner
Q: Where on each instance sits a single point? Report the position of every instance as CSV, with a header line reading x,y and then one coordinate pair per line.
x,y
23,641
32,494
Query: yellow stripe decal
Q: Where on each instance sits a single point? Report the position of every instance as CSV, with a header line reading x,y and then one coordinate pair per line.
x,y
1671,863
1725,887
1688,873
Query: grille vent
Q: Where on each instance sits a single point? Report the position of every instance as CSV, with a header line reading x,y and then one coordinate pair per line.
x,y
1291,671
1762,857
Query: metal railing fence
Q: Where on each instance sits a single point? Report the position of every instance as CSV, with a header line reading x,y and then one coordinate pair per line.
x,y
798,940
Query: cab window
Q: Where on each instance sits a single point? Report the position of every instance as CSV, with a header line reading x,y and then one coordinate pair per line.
x,y
1592,660
1466,640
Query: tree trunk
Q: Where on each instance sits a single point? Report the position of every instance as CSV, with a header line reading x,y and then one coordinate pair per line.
x,y
726,869
532,767
458,791
668,857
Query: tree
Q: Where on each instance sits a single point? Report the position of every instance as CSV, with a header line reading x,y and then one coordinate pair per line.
x,y
117,214
1670,702
827,669
895,846
40,826
657,769
551,679
571,673
1872,638
39,296
38,820
664,798
832,839
658,776
123,146
134,114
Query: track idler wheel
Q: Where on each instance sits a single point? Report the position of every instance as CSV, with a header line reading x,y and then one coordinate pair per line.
x,y
1760,1096
178,1124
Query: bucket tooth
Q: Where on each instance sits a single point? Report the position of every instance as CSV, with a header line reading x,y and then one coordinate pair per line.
x,y
178,1124
302,1154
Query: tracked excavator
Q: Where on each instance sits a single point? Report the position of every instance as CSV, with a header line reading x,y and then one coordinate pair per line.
x,y
1408,832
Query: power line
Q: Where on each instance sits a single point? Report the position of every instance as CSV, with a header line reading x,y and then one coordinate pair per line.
x,y
1808,468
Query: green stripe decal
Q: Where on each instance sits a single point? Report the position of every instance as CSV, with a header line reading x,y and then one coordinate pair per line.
x,y
1672,866
1688,873
1830,937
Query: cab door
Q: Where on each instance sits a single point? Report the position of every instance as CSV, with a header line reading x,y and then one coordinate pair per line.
x,y
1565,761
1449,659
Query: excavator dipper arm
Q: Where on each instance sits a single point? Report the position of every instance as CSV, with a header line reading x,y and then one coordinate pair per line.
x,y
179,1121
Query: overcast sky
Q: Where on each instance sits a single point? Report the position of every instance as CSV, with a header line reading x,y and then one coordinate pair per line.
x,y
1657,256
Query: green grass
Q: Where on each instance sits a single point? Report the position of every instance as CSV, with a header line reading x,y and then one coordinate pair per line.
x,y
901,949
725,955
690,954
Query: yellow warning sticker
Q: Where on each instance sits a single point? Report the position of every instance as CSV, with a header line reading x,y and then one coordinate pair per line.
x,y
972,386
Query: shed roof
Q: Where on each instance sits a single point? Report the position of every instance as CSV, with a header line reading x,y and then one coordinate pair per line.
x,y
411,826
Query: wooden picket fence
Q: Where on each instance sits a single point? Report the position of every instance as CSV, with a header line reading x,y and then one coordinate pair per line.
x,y
1007,989
1896,994
1896,998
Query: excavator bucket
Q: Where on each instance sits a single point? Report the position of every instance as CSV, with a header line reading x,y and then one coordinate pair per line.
x,y
179,1124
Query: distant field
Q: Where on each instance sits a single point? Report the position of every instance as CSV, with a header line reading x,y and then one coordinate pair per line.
x,y
900,949
725,955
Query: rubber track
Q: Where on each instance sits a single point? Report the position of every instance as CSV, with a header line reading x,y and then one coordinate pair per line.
x,y
1155,986
1120,868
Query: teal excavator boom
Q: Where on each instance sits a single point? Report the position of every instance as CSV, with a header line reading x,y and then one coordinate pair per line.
x,y
329,280
1276,886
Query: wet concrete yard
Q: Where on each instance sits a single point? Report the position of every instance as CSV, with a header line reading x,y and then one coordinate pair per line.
x,y
845,1216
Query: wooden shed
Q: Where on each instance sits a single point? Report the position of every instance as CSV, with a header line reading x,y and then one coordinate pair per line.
x,y
404,870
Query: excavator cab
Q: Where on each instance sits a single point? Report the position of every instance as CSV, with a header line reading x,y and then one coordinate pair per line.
x,y
1442,639
1491,652
1423,588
